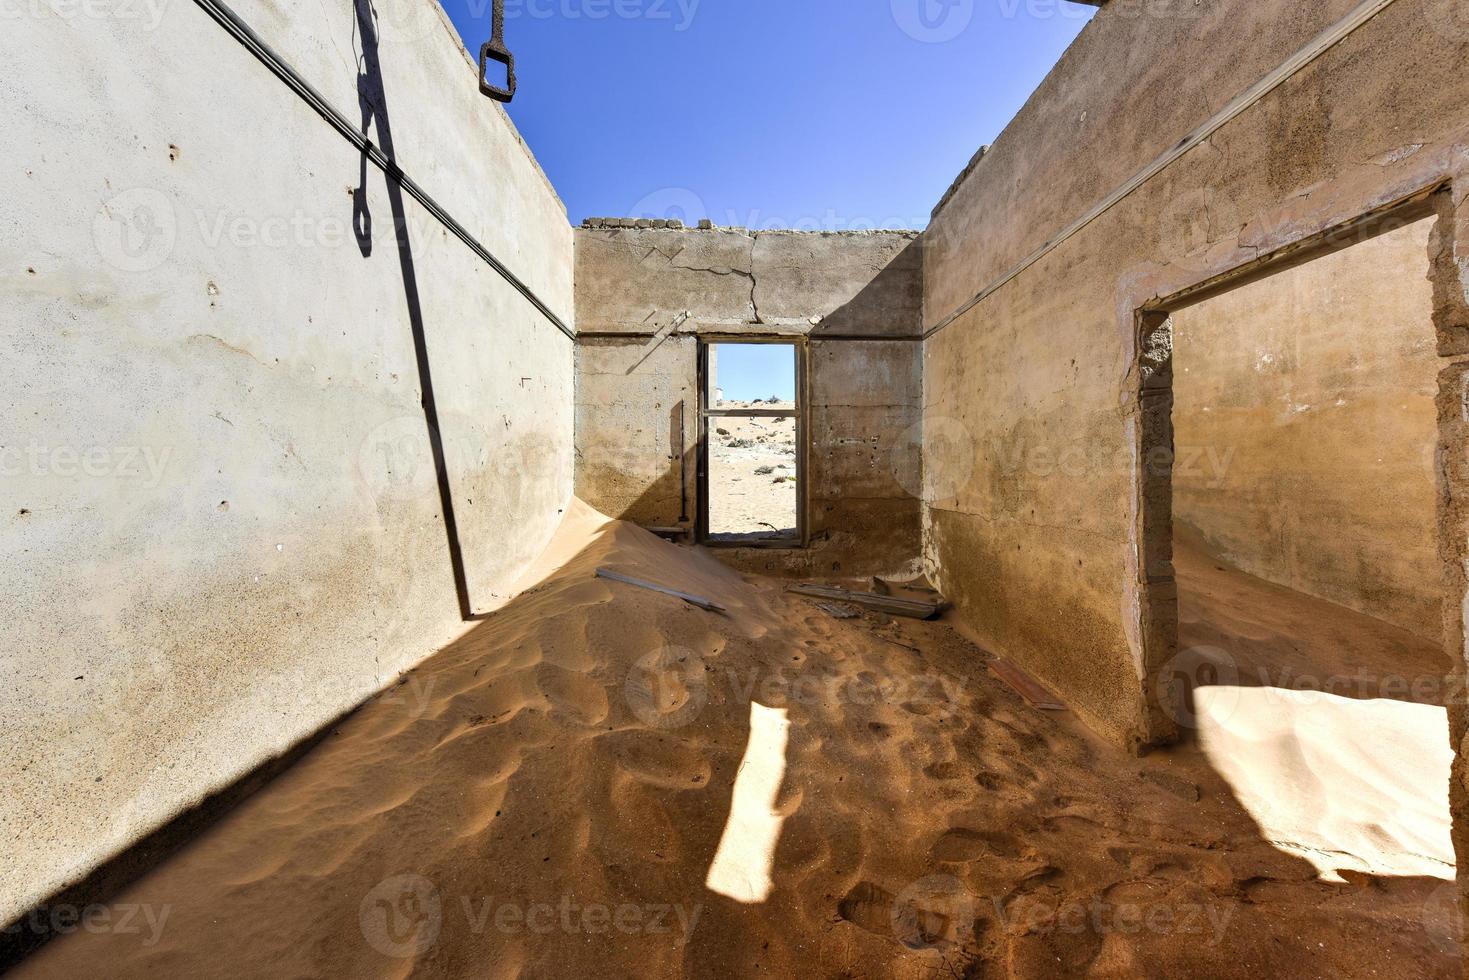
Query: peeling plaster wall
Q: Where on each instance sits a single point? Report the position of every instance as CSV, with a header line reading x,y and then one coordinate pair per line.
x,y
221,526
644,296
1305,428
1047,542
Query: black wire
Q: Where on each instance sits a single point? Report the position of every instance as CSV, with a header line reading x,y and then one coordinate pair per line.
x,y
242,32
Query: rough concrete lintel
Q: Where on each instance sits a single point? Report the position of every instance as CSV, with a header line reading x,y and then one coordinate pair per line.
x,y
1269,236
794,329
675,224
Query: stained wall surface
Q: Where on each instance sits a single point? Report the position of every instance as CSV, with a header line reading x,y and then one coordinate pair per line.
x,y
219,519
645,296
1039,528
1305,427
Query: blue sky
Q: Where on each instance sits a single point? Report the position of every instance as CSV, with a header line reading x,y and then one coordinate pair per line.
x,y
750,371
813,114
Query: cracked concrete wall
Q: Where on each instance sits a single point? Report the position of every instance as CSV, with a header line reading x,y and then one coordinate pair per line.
x,y
1305,427
221,521
1043,526
644,296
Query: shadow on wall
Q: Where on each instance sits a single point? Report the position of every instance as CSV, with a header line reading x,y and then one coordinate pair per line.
x,y
899,286
373,102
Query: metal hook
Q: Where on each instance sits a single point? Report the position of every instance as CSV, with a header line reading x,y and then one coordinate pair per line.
x,y
494,50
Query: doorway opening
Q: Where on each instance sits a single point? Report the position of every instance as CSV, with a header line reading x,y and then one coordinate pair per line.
x,y
752,443
1290,495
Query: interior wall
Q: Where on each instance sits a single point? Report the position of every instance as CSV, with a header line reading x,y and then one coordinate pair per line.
x,y
644,297
1049,543
1305,426
221,523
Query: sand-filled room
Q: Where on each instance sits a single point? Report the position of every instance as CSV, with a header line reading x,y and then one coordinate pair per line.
x,y
673,488
1305,544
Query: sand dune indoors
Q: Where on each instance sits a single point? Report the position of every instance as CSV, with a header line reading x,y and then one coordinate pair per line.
x,y
525,814
1347,783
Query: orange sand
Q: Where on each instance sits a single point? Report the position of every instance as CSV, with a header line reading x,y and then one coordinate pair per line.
x,y
602,781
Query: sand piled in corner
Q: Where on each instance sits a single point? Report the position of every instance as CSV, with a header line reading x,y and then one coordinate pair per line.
x,y
1328,725
602,781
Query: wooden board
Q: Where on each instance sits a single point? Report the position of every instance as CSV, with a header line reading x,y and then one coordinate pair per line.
x,y
911,608
1026,686
694,600
838,610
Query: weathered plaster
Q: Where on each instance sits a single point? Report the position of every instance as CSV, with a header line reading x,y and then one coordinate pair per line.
x,y
1305,428
644,296
1049,559
223,529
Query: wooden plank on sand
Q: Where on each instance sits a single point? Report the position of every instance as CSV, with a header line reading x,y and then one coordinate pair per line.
x,y
694,600
911,608
1026,686
838,610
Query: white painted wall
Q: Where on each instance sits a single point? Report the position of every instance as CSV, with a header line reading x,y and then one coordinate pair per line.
x,y
219,526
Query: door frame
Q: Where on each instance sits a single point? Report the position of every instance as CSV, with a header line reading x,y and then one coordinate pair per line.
x,y
800,349
1156,588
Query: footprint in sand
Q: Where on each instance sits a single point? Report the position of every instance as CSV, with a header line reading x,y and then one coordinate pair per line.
x,y
936,912
869,907
989,781
573,694
944,770
658,760
960,845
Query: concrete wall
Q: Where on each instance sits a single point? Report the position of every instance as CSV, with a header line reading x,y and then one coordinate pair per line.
x,y
1055,541
1305,428
644,295
221,525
